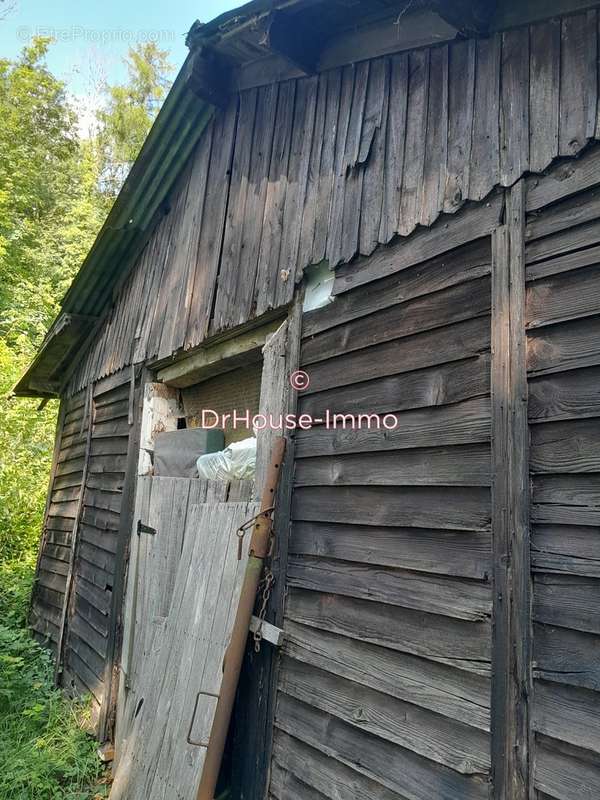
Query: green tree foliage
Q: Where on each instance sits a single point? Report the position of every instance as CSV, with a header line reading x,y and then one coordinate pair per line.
x,y
55,191
129,112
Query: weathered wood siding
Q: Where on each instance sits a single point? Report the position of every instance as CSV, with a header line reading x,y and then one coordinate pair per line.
x,y
563,337
55,549
333,165
78,566
89,612
384,687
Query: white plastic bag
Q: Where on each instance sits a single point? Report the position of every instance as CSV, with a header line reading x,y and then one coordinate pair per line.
x,y
237,461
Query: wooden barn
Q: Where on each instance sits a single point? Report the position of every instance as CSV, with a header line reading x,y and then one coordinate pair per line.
x,y
400,199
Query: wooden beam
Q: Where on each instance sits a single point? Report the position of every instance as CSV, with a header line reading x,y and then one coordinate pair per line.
x,y
209,75
218,358
373,39
470,17
293,38
511,644
270,633
511,15
106,722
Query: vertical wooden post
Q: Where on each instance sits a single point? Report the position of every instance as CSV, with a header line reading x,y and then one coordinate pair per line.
x,y
511,657
256,711
115,631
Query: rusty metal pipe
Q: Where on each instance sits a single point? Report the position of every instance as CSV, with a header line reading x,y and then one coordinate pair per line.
x,y
259,550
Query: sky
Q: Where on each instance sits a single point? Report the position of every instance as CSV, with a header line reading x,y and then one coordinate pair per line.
x,y
92,37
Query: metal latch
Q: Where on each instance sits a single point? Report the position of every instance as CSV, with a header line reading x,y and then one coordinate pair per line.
x,y
141,528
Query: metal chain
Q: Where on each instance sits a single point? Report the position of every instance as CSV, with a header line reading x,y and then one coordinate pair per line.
x,y
267,584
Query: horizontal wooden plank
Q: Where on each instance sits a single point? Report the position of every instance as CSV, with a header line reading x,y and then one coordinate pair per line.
x,y
51,580
443,552
112,446
111,411
65,495
564,263
105,500
461,423
107,464
112,388
58,537
566,550
64,509
571,490
461,644
567,601
565,656
107,481
49,599
86,653
463,264
460,599
59,552
436,386
566,395
44,629
563,242
464,465
572,446
87,601
454,693
99,557
57,523
557,514
455,304
101,519
567,296
460,747
565,775
95,575
453,508
83,679
74,428
568,714
294,763
571,212
86,633
102,539
400,770
320,770
111,427
53,565
571,345
71,452
73,466
565,178
449,232
67,480
440,346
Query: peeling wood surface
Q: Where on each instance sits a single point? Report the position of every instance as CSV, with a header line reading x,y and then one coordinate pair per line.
x,y
335,165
